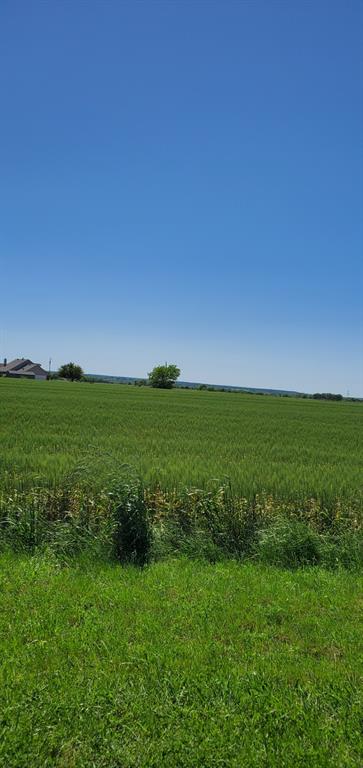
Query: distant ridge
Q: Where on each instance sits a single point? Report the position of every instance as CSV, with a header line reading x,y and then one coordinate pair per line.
x,y
196,385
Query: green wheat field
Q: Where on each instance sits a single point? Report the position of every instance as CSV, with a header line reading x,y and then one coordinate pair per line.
x,y
289,447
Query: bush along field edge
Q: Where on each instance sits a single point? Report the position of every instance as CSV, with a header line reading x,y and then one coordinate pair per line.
x,y
130,523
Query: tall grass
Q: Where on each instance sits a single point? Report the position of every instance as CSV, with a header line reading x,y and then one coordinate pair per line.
x,y
134,525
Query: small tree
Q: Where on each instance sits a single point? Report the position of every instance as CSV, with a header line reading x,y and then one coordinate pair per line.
x,y
164,376
71,371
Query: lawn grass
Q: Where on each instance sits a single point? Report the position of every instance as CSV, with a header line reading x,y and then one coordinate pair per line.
x,y
180,664
292,448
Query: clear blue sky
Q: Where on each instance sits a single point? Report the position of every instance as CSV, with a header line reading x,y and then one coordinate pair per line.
x,y
182,181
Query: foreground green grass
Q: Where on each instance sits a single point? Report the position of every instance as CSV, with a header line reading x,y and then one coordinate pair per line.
x,y
291,448
180,664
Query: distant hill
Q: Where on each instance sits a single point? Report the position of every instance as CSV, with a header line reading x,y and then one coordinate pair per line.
x,y
196,385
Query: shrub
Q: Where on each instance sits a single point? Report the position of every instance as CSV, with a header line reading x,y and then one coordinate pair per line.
x,y
71,371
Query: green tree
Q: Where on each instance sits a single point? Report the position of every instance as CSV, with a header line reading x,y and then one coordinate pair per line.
x,y
164,376
71,371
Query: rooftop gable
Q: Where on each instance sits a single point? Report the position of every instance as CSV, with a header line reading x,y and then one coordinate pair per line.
x,y
19,364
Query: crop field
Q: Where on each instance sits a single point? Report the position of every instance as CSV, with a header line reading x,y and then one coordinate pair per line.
x,y
292,448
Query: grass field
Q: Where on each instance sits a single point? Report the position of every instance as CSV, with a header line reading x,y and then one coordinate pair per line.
x,y
182,664
292,448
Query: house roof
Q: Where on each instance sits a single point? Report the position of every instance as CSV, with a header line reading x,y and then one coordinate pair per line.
x,y
21,365
19,362
20,373
30,367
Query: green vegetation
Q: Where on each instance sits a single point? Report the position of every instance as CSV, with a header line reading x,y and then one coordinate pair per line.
x,y
139,474
71,371
207,655
293,449
326,396
132,524
178,665
164,376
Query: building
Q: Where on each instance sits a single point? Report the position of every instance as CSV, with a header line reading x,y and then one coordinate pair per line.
x,y
22,368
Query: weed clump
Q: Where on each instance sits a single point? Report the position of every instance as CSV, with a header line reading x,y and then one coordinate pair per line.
x,y
132,530
290,544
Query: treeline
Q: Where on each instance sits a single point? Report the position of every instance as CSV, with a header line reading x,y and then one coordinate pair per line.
x,y
210,388
165,377
326,396
315,396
